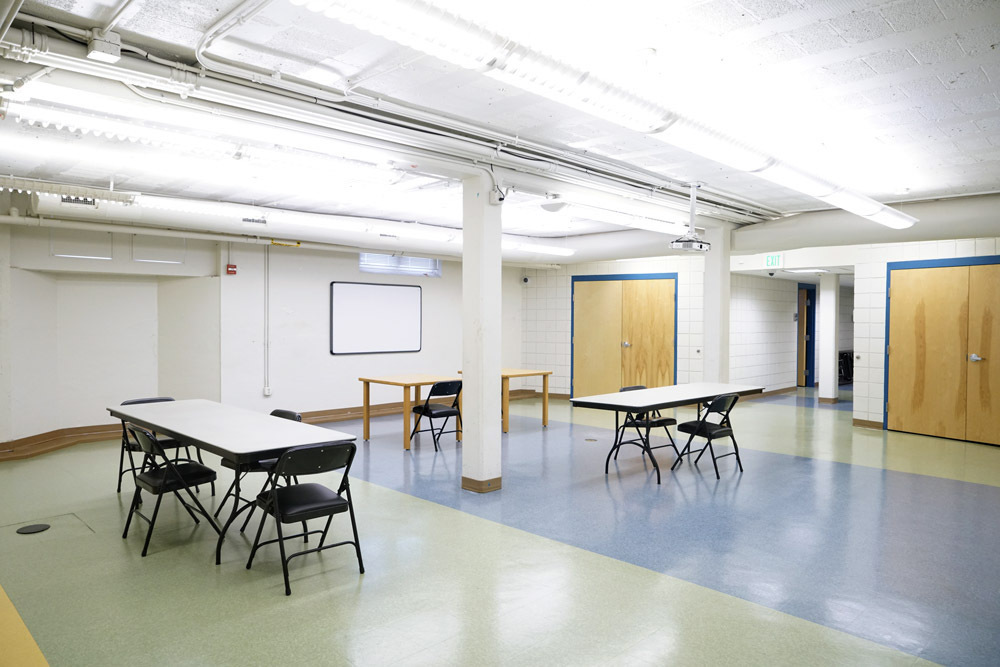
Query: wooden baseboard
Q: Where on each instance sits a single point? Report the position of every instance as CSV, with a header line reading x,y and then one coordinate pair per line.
x,y
33,445
783,390
864,423
481,485
828,400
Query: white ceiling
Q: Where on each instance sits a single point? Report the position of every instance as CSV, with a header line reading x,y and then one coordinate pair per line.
x,y
897,100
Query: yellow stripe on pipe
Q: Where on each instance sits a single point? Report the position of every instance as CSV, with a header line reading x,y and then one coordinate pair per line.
x,y
19,647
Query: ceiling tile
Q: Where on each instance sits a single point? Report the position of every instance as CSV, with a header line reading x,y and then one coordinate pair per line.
x,y
936,51
928,86
817,38
981,40
938,111
775,49
886,95
846,72
978,104
858,27
911,14
768,9
890,61
959,8
973,78
717,17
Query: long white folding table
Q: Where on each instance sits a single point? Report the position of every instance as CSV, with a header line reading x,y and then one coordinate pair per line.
x,y
240,435
661,398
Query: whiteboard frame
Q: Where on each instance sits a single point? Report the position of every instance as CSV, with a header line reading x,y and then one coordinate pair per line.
x,y
420,324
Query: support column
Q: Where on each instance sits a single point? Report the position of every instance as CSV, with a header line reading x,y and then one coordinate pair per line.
x,y
827,313
716,305
481,326
6,350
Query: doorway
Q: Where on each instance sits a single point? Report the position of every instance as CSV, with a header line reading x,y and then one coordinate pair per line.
x,y
806,318
943,347
624,332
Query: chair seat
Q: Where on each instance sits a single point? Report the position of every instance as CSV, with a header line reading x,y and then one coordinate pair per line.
x,y
655,422
158,481
302,502
705,429
436,410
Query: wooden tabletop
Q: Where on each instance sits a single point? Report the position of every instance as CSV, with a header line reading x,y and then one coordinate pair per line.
x,y
408,379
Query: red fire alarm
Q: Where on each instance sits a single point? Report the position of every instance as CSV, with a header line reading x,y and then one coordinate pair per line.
x,y
230,269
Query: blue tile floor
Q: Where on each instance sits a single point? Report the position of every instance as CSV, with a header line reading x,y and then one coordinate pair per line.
x,y
908,561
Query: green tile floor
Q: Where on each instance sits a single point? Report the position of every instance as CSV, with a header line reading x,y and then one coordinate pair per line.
x,y
441,587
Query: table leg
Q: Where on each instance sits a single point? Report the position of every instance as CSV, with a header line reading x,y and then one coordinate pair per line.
x,y
545,400
366,411
406,417
505,403
232,516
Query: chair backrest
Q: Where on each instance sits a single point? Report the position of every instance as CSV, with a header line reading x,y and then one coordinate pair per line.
x,y
157,399
639,416
147,441
287,414
722,405
315,459
633,387
447,388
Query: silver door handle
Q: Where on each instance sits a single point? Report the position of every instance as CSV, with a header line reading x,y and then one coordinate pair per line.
x,y
975,357
626,344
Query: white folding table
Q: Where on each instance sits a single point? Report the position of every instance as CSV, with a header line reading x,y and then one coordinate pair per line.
x,y
240,435
661,398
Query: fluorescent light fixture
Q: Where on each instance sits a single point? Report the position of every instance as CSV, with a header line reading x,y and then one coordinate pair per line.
x,y
510,244
81,256
705,142
805,270
890,217
459,40
158,261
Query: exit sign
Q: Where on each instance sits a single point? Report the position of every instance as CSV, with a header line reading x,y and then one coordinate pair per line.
x,y
773,261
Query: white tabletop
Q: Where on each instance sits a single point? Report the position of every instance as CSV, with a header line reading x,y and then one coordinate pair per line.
x,y
234,433
663,397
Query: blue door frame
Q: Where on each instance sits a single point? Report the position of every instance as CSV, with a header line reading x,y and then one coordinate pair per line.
x,y
810,333
616,276
916,264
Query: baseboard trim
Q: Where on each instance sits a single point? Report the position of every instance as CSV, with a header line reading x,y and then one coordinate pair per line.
x,y
864,423
828,400
481,485
783,390
33,445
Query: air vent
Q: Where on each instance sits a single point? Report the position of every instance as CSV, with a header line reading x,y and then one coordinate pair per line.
x,y
79,201
256,221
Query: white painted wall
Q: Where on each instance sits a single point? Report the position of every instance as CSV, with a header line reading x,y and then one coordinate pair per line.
x,y
33,363
303,375
547,312
189,337
763,344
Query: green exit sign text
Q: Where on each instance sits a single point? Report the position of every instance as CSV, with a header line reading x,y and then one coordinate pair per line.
x,y
773,261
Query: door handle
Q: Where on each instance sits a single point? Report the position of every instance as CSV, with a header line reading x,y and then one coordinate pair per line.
x,y
976,357
626,344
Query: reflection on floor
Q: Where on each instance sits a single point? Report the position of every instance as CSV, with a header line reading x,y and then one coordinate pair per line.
x,y
837,545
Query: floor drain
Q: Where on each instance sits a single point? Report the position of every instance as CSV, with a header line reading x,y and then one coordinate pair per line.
x,y
590,439
33,528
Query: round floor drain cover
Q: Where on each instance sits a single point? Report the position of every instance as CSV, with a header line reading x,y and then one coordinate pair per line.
x,y
33,528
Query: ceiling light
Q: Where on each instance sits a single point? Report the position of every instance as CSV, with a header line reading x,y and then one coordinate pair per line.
x,y
105,47
510,244
890,217
705,142
792,178
805,271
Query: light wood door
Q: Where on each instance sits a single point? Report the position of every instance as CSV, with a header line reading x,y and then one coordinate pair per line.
x,y
928,334
597,337
803,319
648,330
983,414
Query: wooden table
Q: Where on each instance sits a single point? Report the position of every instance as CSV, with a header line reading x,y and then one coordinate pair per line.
x,y
407,381
240,435
661,398
506,374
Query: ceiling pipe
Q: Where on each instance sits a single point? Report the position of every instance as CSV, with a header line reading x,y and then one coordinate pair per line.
x,y
8,10
181,81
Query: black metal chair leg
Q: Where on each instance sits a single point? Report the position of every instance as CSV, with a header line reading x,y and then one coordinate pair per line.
x,y
152,522
736,449
131,510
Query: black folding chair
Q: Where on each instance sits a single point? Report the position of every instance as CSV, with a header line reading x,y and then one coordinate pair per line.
x,y
432,411
129,446
242,469
161,475
704,427
642,423
298,503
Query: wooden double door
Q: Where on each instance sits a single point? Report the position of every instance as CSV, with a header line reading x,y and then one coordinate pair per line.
x,y
944,352
623,334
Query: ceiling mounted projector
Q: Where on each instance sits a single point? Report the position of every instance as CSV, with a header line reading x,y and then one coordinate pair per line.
x,y
691,241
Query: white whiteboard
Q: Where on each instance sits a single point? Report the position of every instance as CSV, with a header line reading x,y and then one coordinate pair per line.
x,y
368,318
